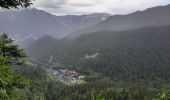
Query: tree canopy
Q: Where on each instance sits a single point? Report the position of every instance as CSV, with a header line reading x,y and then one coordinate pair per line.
x,y
9,81
10,50
8,4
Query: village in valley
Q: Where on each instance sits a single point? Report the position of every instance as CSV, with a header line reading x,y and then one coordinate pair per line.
x,y
67,76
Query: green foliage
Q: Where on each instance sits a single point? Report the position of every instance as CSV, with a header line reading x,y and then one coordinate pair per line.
x,y
8,81
11,51
10,54
164,94
136,56
8,4
99,97
136,61
117,63
96,90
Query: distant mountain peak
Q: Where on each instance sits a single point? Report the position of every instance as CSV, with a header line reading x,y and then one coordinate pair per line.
x,y
156,16
32,22
98,14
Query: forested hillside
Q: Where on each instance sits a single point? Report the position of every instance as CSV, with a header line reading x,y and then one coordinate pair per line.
x,y
136,55
29,81
124,57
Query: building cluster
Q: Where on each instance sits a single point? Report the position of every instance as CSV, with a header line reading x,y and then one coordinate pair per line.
x,y
68,76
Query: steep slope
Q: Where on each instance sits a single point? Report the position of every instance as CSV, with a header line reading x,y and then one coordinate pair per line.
x,y
135,55
77,22
29,23
129,55
47,46
43,46
156,16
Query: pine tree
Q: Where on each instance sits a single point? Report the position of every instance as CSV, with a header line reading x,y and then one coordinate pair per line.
x,y
10,50
8,4
8,81
10,54
164,94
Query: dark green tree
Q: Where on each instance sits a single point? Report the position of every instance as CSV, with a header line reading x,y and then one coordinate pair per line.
x,y
8,4
10,50
8,81
164,94
10,54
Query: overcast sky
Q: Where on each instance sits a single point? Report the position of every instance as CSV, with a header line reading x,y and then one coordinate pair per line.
x,y
62,7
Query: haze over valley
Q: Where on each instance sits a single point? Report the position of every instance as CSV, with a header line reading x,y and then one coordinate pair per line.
x,y
120,52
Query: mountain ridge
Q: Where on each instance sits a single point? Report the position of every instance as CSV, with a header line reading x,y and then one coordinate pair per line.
x,y
150,17
30,24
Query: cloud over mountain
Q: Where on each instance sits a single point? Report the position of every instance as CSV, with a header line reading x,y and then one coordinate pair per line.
x,y
99,6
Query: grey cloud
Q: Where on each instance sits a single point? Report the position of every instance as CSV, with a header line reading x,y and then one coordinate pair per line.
x,y
82,5
91,6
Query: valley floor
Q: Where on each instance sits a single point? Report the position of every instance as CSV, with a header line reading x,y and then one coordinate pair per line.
x,y
67,76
